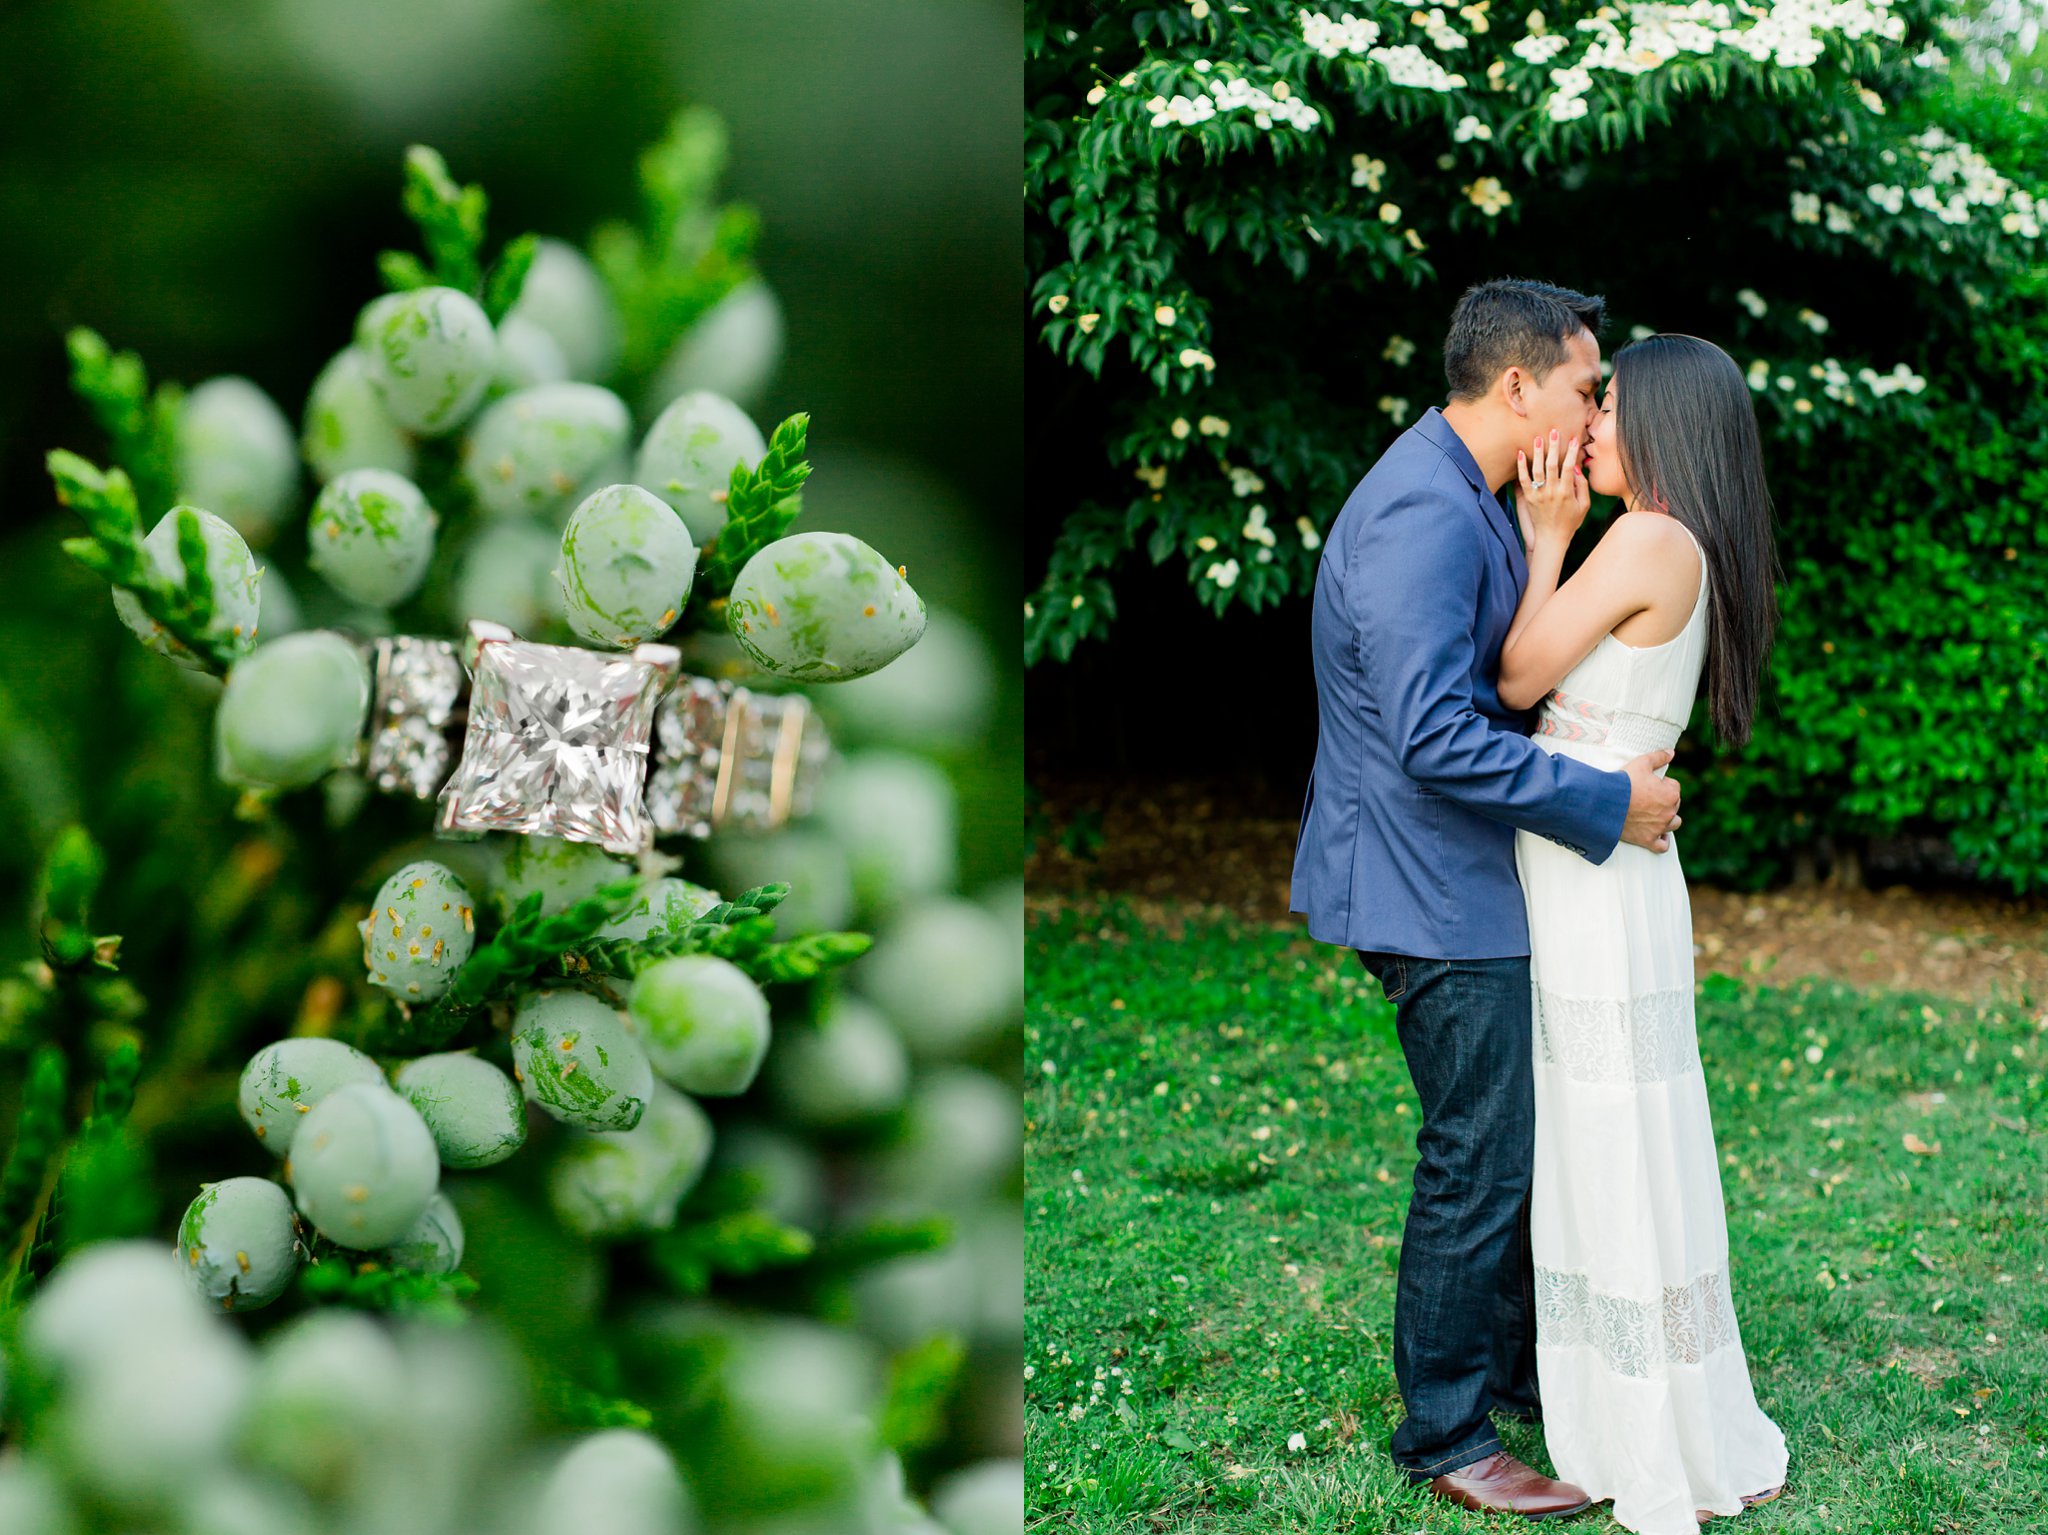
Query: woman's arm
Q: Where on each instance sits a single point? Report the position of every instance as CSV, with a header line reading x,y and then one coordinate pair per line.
x,y
1550,513
1618,579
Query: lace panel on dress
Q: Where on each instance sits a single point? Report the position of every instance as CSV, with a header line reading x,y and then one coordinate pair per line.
x,y
1633,1336
1649,1037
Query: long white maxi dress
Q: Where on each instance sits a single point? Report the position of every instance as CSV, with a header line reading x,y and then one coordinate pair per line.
x,y
1645,1387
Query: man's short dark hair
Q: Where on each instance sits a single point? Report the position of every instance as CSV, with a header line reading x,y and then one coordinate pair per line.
x,y
1512,323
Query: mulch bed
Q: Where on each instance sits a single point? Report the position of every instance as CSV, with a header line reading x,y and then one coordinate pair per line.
x,y
1178,850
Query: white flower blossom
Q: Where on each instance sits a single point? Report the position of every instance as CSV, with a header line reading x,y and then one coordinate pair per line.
x,y
1213,426
1759,374
1470,128
1234,93
1792,34
1840,219
1398,350
1408,65
1805,208
1223,573
1441,34
1297,1441
1396,407
1244,482
1488,195
1330,38
1540,48
1817,323
1390,213
1310,538
1366,172
1891,199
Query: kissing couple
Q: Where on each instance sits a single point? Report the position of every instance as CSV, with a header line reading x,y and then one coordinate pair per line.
x,y
1490,826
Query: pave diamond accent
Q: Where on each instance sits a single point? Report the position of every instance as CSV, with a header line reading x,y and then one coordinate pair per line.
x,y
682,791
771,727
557,741
418,682
732,757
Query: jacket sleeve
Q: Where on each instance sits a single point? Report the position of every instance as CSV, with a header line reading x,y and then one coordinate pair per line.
x,y
1414,613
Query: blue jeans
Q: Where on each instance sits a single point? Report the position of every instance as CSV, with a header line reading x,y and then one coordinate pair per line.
x,y
1465,1299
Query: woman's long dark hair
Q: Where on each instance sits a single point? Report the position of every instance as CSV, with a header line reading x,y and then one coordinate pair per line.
x,y
1689,445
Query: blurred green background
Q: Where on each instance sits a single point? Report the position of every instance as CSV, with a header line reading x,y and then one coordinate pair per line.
x,y
208,184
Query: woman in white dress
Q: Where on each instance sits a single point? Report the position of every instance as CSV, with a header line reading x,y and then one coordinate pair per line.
x,y
1645,1388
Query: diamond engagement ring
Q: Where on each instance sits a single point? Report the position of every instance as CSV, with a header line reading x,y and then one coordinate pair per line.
x,y
585,745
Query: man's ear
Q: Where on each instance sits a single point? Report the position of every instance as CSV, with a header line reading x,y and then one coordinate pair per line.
x,y
1514,389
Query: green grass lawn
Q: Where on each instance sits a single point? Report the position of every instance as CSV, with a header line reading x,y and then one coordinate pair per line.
x,y
1220,1137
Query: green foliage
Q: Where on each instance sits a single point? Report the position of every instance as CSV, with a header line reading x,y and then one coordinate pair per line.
x,y
574,1406
1222,304
71,878
451,225
921,1379
740,931
735,1242
1911,668
38,1140
687,253
143,424
880,1240
112,550
114,1094
761,504
528,940
342,1281
106,1189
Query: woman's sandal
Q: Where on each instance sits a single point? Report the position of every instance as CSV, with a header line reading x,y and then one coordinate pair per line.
x,y
1749,1500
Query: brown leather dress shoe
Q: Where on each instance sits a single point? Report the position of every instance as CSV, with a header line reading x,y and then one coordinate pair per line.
x,y
1502,1484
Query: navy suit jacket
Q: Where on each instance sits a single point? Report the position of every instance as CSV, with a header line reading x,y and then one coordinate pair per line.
x,y
1422,775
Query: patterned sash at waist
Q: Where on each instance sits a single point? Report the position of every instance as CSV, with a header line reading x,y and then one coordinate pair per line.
x,y
1571,718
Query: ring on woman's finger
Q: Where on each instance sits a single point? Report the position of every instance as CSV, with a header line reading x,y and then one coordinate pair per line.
x,y
1537,483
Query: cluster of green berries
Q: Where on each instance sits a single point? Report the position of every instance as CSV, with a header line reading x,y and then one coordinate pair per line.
x,y
581,525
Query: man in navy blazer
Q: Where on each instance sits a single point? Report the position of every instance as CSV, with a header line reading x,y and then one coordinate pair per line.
x,y
1406,854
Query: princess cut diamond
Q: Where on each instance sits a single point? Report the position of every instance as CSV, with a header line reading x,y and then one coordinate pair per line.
x,y
557,743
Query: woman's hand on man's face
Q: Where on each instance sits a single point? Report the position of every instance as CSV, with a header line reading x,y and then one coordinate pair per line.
x,y
1551,493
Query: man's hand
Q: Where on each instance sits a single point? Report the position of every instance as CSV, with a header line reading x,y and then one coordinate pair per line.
x,y
1652,803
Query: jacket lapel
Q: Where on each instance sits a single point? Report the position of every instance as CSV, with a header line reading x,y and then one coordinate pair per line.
x,y
1485,505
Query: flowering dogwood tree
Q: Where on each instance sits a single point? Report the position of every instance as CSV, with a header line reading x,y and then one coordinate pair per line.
x,y
1248,223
